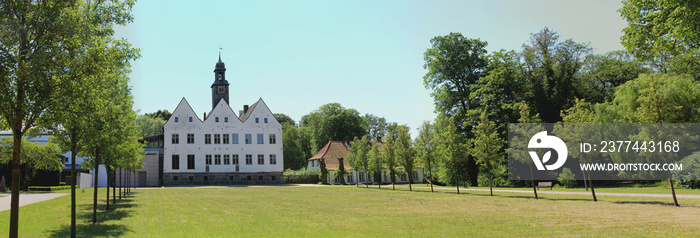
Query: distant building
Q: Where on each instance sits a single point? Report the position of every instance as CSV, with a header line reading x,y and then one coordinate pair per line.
x,y
222,147
340,149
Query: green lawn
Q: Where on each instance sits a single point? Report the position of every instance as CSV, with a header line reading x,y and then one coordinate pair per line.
x,y
350,211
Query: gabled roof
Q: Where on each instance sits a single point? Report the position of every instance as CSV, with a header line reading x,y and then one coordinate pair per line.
x,y
247,114
221,103
259,105
183,105
331,152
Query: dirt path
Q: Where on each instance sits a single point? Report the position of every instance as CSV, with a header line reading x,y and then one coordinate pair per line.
x,y
27,198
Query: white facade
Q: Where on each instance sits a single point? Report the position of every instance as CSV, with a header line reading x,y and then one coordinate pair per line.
x,y
222,143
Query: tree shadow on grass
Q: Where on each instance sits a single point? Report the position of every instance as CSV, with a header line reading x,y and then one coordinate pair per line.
x,y
84,227
644,203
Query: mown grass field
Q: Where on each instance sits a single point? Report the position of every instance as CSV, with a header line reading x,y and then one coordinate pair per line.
x,y
350,211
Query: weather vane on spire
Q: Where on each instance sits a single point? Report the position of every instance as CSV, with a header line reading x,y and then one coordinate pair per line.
x,y
220,51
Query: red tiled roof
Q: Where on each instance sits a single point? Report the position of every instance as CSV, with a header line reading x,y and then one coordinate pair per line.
x,y
331,152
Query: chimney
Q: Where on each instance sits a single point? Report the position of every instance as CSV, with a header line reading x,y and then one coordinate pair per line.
x,y
245,108
205,116
379,139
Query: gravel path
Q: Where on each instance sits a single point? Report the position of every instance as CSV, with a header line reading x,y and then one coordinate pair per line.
x,y
27,198
664,195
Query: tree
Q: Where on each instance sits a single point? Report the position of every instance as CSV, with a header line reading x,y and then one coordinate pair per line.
x,y
659,98
426,149
341,170
451,151
149,126
551,68
358,155
324,171
294,156
455,64
160,114
521,136
34,157
283,118
387,156
601,74
405,154
487,146
375,162
657,31
376,126
333,122
36,65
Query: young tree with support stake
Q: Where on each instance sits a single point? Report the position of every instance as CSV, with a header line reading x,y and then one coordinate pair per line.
x,y
405,154
357,158
388,157
450,148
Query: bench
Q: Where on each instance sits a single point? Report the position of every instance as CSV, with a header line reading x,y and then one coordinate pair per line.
x,y
544,185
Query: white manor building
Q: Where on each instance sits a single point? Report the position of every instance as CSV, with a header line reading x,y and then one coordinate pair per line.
x,y
222,147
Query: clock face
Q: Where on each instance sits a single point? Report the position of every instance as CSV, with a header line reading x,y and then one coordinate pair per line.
x,y
220,89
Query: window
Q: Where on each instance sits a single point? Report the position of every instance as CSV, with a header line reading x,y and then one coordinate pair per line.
x,y
190,161
273,139
235,159
176,119
265,119
257,120
176,138
190,119
225,138
190,138
415,175
261,159
349,178
216,119
217,159
248,139
336,180
273,159
207,139
230,178
234,138
227,159
176,162
248,159
273,178
361,176
225,119
217,138
260,138
207,159
403,177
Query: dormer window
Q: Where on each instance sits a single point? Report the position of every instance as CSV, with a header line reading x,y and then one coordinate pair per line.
x,y
176,119
216,119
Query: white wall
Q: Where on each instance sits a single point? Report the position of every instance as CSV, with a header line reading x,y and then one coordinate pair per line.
x,y
234,126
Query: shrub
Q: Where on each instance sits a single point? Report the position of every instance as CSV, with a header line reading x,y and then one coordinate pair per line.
x,y
567,179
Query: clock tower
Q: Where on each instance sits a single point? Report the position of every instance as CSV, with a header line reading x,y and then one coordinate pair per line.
x,y
219,89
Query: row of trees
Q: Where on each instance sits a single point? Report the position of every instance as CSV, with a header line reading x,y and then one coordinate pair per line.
x,y
551,80
62,70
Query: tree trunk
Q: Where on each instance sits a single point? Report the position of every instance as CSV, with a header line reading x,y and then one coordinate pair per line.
x,y
114,186
73,145
94,201
107,171
14,200
534,188
410,181
673,190
490,186
393,180
456,177
120,184
430,175
590,183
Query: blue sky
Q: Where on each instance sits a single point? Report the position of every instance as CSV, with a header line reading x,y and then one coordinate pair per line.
x,y
299,55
